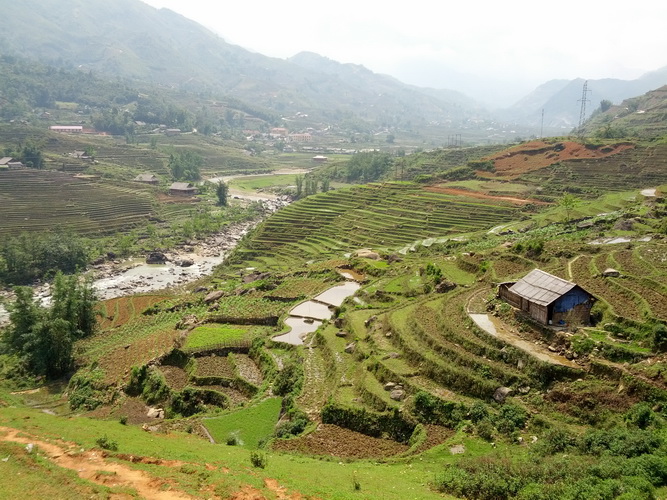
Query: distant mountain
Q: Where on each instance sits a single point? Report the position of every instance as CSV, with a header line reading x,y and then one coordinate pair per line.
x,y
561,99
130,39
641,116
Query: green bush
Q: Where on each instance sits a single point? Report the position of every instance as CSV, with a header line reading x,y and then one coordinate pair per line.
x,y
107,444
511,418
87,390
258,459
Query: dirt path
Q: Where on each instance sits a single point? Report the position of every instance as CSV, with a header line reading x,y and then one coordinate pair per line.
x,y
92,466
493,326
483,196
569,266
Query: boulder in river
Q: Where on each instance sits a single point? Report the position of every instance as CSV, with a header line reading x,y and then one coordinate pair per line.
x,y
156,258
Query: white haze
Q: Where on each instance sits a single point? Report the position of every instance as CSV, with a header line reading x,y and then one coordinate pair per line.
x,y
493,51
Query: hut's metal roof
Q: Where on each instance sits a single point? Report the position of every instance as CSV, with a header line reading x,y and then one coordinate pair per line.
x,y
182,186
541,288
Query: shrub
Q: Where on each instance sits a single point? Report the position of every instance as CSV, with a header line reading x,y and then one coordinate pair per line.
x,y
289,379
86,390
620,442
107,444
641,416
556,441
511,418
295,426
258,459
479,411
485,429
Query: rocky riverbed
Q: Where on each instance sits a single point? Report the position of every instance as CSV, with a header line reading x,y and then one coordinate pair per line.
x,y
181,265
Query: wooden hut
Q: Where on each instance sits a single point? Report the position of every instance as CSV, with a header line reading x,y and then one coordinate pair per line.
x,y
548,299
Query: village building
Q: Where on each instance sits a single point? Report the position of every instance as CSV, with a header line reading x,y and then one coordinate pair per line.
x,y
147,179
67,129
548,299
172,132
320,159
9,163
300,138
183,188
278,132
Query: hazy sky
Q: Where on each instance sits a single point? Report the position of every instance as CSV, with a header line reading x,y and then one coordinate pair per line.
x,y
471,46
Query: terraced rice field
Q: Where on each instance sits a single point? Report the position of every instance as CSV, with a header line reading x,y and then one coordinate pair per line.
x,y
637,168
641,291
35,200
379,215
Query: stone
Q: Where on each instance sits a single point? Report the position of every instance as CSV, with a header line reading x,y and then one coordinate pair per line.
x,y
186,262
155,413
389,386
501,394
341,334
213,296
397,394
156,258
610,272
524,390
520,364
445,286
367,253
350,348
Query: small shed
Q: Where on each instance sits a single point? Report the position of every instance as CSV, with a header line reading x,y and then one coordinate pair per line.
x,y
147,179
182,188
320,159
548,299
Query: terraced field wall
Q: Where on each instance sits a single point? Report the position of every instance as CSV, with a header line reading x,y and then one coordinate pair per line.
x,y
36,200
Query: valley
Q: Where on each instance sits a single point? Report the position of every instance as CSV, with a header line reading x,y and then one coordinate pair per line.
x,y
225,275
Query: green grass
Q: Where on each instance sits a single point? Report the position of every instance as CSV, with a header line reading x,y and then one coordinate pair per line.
x,y
213,334
330,479
31,473
262,182
250,425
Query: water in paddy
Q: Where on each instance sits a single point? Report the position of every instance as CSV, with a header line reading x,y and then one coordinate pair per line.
x,y
312,309
336,295
299,328
305,317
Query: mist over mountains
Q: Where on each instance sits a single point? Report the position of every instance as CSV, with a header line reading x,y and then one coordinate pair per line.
x,y
131,40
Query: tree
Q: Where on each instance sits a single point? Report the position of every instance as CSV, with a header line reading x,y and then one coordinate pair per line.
x,y
31,155
185,165
568,202
221,191
45,337
605,104
299,186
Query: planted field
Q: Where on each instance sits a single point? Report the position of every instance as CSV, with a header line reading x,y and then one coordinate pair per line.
x,y
247,309
631,296
247,426
376,215
118,311
36,200
333,441
632,168
207,335
214,366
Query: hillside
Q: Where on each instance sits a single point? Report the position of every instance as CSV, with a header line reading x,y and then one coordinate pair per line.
x,y
421,373
642,116
561,99
130,39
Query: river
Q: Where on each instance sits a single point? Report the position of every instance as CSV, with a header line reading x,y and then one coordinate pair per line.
x,y
130,276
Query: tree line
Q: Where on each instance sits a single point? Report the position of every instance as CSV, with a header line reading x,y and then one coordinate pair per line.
x,y
43,337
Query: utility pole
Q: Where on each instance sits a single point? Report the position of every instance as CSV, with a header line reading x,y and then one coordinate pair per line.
x,y
582,115
542,125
